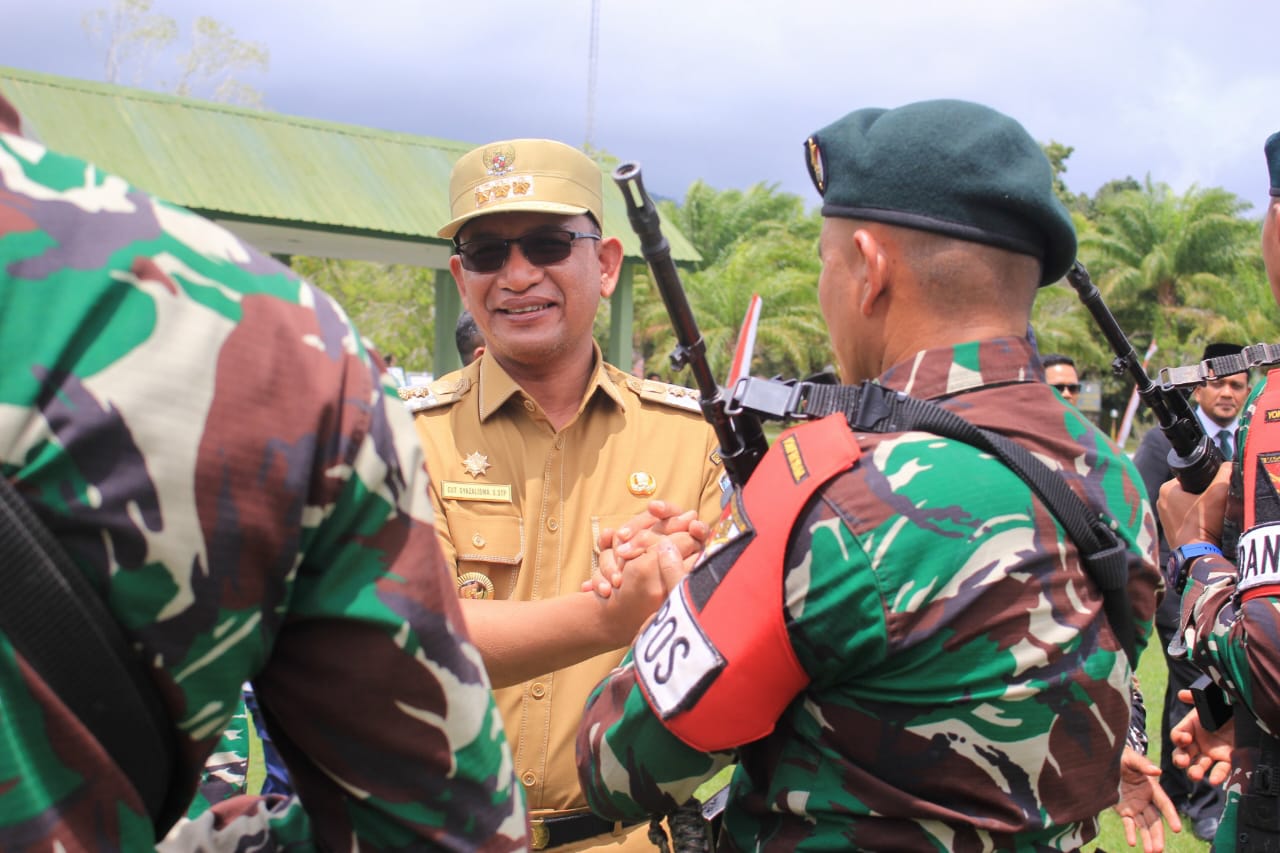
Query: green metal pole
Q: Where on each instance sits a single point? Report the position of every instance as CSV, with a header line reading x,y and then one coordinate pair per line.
x,y
621,318
448,307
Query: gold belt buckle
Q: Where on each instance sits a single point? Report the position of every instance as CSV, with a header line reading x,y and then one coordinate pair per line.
x,y
541,835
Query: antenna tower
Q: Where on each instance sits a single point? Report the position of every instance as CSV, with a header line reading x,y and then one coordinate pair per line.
x,y
593,61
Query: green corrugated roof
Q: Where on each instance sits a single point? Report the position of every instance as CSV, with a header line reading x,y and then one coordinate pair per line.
x,y
260,165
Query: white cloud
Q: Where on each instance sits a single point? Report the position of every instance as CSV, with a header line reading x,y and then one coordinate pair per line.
x,y
727,91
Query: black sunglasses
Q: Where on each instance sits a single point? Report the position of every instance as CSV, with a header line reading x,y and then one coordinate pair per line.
x,y
1067,387
541,248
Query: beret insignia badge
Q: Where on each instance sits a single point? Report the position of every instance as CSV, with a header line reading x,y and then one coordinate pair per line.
x,y
817,170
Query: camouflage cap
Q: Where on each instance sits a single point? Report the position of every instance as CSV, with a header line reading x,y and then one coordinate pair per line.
x,y
1272,149
535,175
951,167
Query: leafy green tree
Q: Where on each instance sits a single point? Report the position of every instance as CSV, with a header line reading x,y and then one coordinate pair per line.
x,y
713,220
390,304
1058,153
1171,266
215,59
136,36
133,34
779,261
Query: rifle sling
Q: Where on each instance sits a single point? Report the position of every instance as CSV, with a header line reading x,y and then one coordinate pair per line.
x,y
60,625
873,408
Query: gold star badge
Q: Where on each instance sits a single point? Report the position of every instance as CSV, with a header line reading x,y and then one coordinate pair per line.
x,y
476,464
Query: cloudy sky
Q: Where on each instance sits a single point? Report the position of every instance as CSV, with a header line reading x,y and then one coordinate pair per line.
x,y
727,91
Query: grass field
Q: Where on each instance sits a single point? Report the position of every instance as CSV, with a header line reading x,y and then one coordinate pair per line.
x,y
1152,674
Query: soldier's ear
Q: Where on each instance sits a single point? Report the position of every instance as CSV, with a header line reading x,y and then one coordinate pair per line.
x,y
873,283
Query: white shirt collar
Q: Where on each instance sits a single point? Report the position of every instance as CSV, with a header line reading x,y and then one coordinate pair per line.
x,y
1211,428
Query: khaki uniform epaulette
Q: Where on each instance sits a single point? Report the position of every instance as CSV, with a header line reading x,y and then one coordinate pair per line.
x,y
442,392
667,394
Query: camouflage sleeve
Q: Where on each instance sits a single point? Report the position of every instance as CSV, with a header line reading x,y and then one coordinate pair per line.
x,y
372,685
210,441
1235,640
1238,641
630,765
226,770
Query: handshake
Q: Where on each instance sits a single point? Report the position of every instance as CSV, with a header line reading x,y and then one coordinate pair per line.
x,y
640,563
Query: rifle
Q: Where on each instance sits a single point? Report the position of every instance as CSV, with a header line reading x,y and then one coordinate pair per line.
x,y
1193,458
739,430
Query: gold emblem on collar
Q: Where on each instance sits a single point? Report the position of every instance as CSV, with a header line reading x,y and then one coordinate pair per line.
x,y
475,585
476,464
642,484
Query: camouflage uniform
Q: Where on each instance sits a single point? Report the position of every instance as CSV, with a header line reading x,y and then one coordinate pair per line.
x,y
226,770
963,693
223,459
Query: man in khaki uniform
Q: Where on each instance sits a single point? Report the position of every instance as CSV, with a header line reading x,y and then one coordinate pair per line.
x,y
537,448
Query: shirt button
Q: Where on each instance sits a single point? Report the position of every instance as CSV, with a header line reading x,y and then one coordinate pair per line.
x,y
529,778
559,442
528,405
477,540
538,690
553,525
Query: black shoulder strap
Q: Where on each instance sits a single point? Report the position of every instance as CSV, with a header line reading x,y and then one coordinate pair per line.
x,y
53,616
874,408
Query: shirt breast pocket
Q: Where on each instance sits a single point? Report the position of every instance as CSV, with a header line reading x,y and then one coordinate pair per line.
x,y
490,549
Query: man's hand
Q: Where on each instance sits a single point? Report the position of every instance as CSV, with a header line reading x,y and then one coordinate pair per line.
x,y
636,540
1143,802
1202,753
1194,518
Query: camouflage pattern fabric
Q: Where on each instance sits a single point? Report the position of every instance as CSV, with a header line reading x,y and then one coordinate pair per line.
x,y
966,693
225,461
226,770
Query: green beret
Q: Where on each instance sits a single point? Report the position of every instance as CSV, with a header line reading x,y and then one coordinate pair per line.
x,y
952,167
1273,161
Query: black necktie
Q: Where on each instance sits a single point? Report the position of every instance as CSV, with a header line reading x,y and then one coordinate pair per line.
x,y
1224,443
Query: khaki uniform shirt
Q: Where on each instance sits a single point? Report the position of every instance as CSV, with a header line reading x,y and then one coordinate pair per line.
x,y
522,505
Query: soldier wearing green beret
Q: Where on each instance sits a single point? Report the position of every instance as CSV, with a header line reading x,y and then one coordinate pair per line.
x,y
1230,614
935,671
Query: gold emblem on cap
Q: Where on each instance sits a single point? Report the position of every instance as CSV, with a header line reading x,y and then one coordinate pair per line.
x,y
642,484
500,160
815,164
476,464
474,585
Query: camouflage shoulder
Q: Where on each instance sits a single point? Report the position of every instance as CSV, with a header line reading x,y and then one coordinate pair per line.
x,y
438,393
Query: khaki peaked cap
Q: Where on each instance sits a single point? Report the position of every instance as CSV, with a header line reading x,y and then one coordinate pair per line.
x,y
523,175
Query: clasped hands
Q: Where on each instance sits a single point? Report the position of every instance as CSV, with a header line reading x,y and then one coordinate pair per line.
x,y
643,560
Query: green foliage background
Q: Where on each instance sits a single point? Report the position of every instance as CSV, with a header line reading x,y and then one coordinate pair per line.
x,y
1178,269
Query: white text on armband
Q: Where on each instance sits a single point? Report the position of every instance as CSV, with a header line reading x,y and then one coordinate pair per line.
x,y
674,659
1258,556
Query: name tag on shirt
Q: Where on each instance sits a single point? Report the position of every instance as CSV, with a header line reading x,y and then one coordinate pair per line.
x,y
493,492
1258,556
674,659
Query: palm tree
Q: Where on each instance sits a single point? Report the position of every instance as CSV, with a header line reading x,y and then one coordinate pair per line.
x,y
777,260
1171,267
